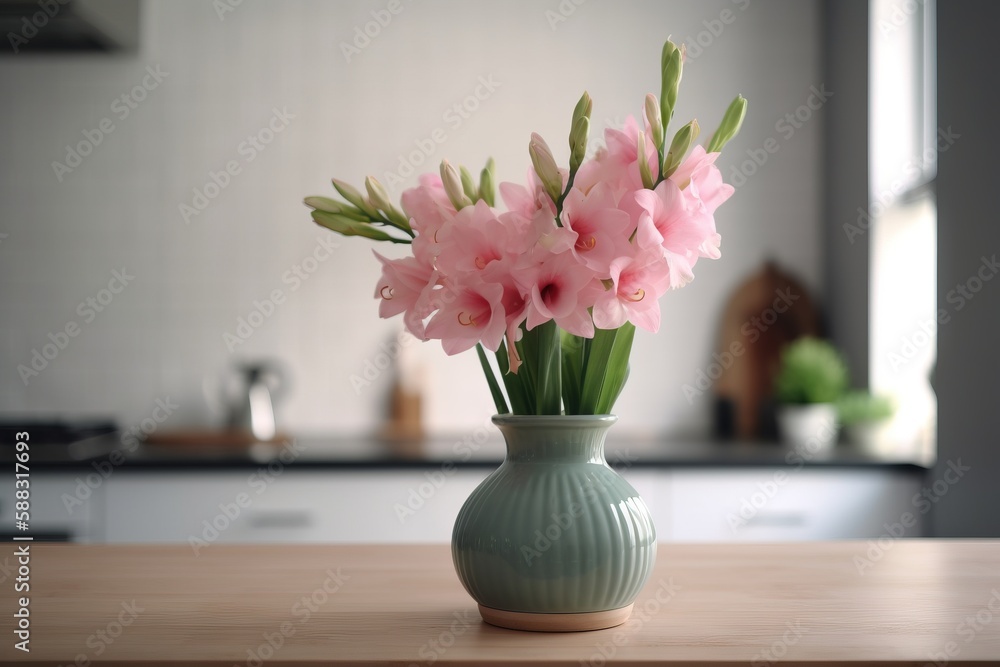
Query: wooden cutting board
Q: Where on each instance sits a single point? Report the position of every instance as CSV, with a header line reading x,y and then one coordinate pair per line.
x,y
765,313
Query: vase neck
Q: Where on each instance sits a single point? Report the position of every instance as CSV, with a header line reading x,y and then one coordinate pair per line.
x,y
555,439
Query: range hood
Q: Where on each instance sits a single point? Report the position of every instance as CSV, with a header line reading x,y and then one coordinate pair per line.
x,y
46,26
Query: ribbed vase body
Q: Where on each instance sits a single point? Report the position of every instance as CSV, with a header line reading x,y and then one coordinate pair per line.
x,y
554,529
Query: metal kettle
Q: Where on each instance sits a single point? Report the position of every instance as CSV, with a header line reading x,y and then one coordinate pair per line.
x,y
251,401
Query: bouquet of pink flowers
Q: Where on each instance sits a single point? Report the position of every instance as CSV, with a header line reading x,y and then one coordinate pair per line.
x,y
555,285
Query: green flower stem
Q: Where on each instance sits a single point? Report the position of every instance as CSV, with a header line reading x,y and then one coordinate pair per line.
x,y
491,380
514,383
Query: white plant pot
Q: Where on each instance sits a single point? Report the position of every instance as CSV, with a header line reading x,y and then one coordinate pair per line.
x,y
809,428
870,437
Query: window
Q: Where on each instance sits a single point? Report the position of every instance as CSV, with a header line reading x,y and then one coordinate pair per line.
x,y
903,148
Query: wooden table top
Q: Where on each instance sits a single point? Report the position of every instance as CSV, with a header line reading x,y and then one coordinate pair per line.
x,y
906,602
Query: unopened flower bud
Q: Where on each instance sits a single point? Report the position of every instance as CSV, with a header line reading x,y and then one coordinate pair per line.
x,y
380,199
377,194
348,192
545,166
468,185
583,107
644,173
672,64
578,137
730,125
682,141
453,186
654,120
487,183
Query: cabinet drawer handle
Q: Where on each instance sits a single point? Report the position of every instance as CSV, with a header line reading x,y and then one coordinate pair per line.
x,y
281,519
783,519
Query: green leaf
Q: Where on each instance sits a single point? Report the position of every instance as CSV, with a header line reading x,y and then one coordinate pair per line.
x,y
491,380
514,383
572,371
606,369
526,374
617,371
542,358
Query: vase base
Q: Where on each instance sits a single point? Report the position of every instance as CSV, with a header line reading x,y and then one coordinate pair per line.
x,y
522,620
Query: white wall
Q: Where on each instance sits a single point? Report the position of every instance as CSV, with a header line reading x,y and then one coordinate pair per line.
x,y
164,332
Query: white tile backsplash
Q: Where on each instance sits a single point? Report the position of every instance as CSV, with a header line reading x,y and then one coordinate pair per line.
x,y
163,335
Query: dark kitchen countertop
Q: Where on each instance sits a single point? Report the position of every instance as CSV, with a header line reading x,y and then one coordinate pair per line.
x,y
368,453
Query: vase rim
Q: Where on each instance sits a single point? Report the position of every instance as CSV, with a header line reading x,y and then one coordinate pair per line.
x,y
554,419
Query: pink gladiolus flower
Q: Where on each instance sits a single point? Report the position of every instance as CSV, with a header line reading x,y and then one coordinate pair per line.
x,y
617,165
682,228
638,283
469,314
529,200
560,289
471,241
600,231
406,286
513,302
429,209
699,175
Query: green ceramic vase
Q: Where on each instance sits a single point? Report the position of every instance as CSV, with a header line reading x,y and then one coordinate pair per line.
x,y
554,530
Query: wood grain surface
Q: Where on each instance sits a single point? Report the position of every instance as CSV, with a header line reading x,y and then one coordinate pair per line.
x,y
903,603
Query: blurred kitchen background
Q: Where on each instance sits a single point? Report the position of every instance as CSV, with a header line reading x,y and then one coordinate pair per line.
x,y
163,286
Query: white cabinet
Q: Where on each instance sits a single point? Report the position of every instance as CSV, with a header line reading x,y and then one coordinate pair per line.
x,y
202,507
61,505
294,506
788,504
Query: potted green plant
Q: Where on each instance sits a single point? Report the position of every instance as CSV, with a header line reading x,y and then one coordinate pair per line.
x,y
810,381
865,417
